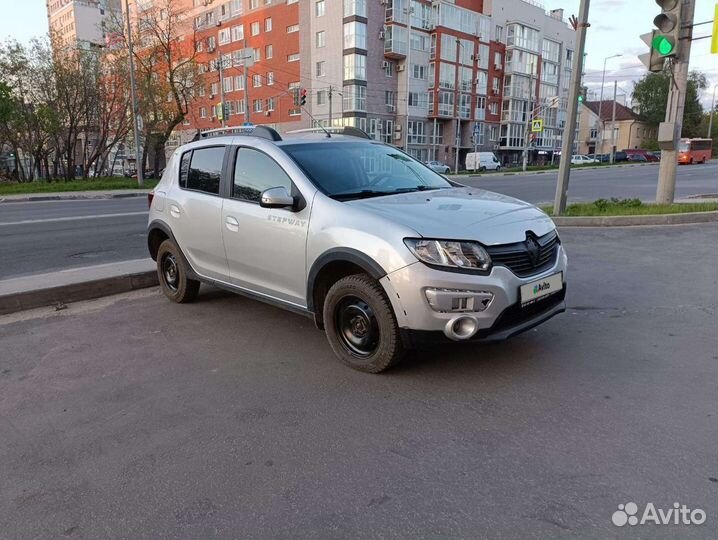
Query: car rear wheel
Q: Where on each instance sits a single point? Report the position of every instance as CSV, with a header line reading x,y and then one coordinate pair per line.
x,y
482,169
172,274
360,324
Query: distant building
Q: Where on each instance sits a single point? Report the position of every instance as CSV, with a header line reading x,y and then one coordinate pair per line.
x,y
80,23
594,135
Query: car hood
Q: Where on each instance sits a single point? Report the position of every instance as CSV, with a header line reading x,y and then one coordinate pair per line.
x,y
461,213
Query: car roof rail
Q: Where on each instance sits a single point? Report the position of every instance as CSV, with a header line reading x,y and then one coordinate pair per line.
x,y
348,131
264,132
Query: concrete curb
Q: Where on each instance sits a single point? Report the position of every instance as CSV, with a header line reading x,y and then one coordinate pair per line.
x,y
630,221
70,196
74,292
74,284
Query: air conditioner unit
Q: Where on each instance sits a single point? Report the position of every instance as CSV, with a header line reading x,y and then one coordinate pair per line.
x,y
498,67
267,113
211,49
390,108
400,67
385,64
495,91
381,34
397,135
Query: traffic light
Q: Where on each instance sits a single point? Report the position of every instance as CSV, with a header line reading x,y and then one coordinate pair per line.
x,y
664,42
303,97
582,93
220,111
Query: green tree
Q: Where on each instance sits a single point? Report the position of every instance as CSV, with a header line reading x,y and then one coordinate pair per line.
x,y
651,96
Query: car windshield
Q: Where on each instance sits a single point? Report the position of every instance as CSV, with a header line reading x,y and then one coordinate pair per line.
x,y
363,169
684,146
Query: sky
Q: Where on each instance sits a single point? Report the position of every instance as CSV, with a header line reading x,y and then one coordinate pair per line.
x,y
615,28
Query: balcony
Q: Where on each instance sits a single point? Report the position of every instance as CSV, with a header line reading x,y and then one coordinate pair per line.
x,y
395,42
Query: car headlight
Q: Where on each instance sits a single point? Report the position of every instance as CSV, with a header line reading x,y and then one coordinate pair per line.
x,y
450,253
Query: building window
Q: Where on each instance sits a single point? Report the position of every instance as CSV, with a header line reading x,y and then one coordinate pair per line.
x,y
257,105
268,24
319,39
238,82
416,132
355,35
321,97
292,28
389,100
268,52
319,8
253,4
355,67
354,98
256,54
254,28
227,84
419,99
270,104
256,81
320,69
355,7
213,89
446,103
238,33
203,112
270,78
293,57
499,33
389,69
224,36
418,71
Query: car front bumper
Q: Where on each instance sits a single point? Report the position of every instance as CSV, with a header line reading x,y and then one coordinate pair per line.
x,y
503,316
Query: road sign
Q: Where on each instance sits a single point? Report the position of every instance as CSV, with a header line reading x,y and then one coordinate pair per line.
x,y
537,125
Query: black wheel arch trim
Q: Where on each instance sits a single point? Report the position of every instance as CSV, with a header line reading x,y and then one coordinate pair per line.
x,y
158,224
362,260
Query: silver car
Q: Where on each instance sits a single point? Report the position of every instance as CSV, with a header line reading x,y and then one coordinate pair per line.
x,y
438,166
382,252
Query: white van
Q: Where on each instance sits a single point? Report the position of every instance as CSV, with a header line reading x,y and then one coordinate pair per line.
x,y
482,161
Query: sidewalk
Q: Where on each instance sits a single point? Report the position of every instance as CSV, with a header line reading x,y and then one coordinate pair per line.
x,y
74,284
75,195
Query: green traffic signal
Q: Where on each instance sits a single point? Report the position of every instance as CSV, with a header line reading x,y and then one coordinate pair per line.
x,y
663,45
580,99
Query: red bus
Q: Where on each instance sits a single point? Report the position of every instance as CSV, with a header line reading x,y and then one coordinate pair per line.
x,y
694,150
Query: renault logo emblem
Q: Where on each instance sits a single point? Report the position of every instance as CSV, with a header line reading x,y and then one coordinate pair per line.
x,y
533,249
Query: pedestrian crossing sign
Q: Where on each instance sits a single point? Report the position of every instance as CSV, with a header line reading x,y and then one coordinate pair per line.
x,y
537,125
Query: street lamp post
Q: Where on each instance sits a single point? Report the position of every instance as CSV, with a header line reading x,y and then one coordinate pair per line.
x,y
135,106
600,103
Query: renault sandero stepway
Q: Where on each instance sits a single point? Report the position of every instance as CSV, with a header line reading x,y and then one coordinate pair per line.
x,y
381,251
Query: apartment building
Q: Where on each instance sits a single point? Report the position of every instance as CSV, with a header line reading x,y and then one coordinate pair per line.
x,y
629,131
436,77
80,23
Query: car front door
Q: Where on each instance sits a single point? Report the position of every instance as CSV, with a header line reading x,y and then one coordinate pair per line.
x,y
266,247
195,211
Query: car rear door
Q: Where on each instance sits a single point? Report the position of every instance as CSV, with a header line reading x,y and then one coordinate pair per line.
x,y
266,247
195,210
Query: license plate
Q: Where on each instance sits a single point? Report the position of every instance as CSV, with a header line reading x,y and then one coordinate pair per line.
x,y
542,287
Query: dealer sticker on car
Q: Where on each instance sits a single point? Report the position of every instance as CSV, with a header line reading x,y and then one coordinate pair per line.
x,y
540,288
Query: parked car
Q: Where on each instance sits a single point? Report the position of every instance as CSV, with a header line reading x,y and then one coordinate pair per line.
x,y
637,158
620,156
482,161
650,156
579,159
378,249
438,166
600,158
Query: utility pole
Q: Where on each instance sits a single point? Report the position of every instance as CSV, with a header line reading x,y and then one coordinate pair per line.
x,y
599,146
408,70
713,107
220,67
665,193
330,105
135,106
457,107
613,123
434,141
246,82
569,130
529,114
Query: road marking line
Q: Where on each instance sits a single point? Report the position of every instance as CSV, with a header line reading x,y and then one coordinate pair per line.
x,y
71,218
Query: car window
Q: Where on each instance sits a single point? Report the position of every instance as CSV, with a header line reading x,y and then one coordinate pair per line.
x,y
201,169
363,167
255,172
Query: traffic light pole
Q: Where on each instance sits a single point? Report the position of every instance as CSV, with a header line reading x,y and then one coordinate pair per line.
x,y
569,130
666,191
530,117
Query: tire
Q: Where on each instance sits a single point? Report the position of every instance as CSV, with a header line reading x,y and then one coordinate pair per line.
x,y
172,274
360,324
498,168
482,169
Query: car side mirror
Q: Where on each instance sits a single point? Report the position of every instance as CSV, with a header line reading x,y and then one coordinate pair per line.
x,y
276,197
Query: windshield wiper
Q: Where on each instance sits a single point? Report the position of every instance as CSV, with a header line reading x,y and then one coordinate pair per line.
x,y
416,188
363,194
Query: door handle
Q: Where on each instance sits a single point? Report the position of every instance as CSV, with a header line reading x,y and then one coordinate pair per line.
x,y
174,211
231,223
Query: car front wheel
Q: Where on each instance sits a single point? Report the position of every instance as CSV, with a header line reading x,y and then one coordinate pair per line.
x,y
172,274
360,324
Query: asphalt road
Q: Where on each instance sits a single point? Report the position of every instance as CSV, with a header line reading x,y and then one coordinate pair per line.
x,y
131,417
39,237
587,185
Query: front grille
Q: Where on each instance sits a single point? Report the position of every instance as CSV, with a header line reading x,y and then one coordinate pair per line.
x,y
527,258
